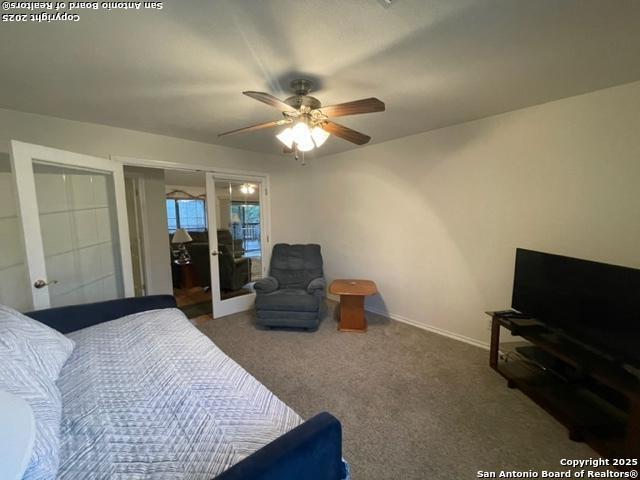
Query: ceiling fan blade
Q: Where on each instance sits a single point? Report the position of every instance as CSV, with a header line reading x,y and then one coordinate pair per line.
x,y
270,100
366,105
253,128
346,133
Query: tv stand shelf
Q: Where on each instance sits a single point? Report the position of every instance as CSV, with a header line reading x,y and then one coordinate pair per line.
x,y
583,402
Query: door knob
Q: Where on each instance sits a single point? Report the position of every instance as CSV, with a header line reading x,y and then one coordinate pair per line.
x,y
43,283
215,252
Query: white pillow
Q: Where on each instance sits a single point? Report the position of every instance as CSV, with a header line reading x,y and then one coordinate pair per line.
x,y
42,395
41,347
18,426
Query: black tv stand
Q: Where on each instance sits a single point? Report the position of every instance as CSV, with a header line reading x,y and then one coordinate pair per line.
x,y
597,400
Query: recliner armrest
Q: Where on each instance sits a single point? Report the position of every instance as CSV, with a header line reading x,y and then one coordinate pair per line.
x,y
266,285
317,285
241,260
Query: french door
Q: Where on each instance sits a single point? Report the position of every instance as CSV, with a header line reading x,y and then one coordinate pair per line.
x,y
74,225
238,239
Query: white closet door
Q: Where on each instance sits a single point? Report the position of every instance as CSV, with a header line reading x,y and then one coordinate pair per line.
x,y
74,222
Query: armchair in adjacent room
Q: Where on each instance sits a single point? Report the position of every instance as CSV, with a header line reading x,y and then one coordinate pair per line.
x,y
234,272
293,295
234,245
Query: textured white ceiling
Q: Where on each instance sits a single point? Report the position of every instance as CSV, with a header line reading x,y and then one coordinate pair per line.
x,y
180,71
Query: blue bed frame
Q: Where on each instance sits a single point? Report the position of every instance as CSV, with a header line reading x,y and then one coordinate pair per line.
x,y
311,451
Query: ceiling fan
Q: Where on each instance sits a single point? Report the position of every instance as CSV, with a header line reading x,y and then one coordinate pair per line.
x,y
307,121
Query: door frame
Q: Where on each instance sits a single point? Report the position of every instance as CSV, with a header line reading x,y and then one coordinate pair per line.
x,y
226,173
22,155
140,215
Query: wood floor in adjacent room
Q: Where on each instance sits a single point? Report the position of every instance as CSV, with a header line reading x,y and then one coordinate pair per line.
x,y
413,404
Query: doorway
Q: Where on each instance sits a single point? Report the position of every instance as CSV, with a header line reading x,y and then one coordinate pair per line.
x,y
215,233
171,235
186,204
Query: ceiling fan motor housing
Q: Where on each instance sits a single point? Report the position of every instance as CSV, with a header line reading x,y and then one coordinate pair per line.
x,y
301,87
298,101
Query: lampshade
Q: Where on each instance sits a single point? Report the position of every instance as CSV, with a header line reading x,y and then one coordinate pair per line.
x,y
306,145
305,139
286,137
181,236
302,134
319,136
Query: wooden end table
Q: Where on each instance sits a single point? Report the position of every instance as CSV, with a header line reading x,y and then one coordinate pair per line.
x,y
352,293
188,274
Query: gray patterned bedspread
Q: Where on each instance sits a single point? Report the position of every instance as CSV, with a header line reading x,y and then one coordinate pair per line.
x,y
148,396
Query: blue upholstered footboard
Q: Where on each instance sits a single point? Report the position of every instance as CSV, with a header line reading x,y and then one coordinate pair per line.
x,y
75,317
311,451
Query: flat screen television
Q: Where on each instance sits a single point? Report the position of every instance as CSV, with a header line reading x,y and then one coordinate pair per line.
x,y
593,303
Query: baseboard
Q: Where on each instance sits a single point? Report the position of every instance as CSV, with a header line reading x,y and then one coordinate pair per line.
x,y
429,328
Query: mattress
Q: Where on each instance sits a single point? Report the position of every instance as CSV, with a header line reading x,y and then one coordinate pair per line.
x,y
148,396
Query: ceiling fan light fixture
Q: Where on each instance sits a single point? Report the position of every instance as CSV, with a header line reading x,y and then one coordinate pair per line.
x,y
302,134
319,136
247,189
309,124
306,146
286,137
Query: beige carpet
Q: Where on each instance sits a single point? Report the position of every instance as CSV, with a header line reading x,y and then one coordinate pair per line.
x,y
413,404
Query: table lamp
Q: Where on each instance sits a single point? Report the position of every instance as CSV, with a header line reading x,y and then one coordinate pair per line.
x,y
180,237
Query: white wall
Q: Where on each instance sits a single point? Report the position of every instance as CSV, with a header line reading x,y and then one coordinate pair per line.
x,y
289,192
435,218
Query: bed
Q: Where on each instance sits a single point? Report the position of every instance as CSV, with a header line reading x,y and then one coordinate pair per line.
x,y
145,395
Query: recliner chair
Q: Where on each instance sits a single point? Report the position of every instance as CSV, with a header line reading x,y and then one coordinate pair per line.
x,y
293,295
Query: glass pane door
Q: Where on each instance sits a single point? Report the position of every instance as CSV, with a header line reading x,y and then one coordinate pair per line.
x,y
74,224
79,230
238,242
